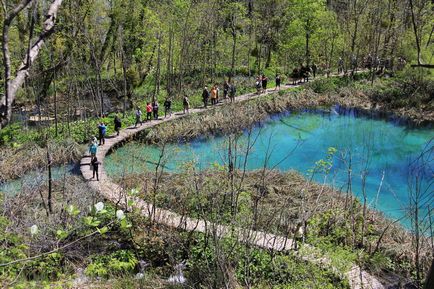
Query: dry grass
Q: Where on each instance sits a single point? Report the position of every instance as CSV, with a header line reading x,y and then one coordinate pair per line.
x,y
16,162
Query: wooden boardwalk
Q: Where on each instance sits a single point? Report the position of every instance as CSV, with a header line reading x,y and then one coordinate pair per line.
x,y
114,193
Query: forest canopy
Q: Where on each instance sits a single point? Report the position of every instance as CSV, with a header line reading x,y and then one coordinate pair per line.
x,y
159,46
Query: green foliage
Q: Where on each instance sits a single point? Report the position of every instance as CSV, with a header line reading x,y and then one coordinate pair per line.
x,y
49,267
261,268
411,88
14,135
114,264
379,262
328,85
12,248
255,266
324,165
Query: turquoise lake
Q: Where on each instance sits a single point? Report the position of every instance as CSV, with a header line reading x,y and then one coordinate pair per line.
x,y
382,150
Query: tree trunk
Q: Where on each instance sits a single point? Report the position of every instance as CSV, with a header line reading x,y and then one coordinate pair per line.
x,y
50,181
124,74
234,45
307,48
12,86
157,78
416,35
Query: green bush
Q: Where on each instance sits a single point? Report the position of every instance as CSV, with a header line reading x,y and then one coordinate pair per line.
x,y
379,262
49,267
12,248
114,264
284,272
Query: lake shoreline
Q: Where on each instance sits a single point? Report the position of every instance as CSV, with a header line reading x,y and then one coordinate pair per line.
x,y
243,115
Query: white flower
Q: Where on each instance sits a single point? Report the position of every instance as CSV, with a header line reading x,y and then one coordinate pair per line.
x,y
99,206
70,209
139,276
120,214
33,230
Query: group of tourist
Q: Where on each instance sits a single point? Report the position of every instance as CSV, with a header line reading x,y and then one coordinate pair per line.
x,y
93,148
302,73
152,111
261,83
94,143
229,90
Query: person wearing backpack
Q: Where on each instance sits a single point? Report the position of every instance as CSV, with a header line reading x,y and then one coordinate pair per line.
x,y
167,107
118,124
138,117
258,85
102,129
93,148
155,109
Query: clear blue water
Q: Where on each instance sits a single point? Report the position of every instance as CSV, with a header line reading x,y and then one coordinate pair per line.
x,y
381,149
35,179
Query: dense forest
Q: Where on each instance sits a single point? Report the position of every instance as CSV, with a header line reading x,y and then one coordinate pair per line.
x,y
70,65
142,49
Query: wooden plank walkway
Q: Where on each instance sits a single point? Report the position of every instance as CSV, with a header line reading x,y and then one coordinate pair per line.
x,y
358,279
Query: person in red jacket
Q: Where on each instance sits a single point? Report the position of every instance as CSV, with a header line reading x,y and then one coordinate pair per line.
x,y
148,111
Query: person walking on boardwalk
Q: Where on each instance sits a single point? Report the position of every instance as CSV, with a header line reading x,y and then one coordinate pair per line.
x,y
138,117
258,85
340,65
93,148
225,90
93,140
304,73
232,92
278,80
155,109
353,64
102,129
118,124
295,75
205,97
148,111
213,95
264,83
95,165
167,107
186,104
217,90
314,69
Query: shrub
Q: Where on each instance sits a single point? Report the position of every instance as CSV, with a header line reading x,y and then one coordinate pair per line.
x,y
116,263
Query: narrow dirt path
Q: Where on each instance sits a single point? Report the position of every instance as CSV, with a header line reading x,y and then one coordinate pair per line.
x,y
358,279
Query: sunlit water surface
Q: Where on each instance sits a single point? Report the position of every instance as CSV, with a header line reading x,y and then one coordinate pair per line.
x,y
383,151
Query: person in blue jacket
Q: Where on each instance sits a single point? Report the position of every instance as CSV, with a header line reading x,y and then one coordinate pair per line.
x,y
93,148
102,129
